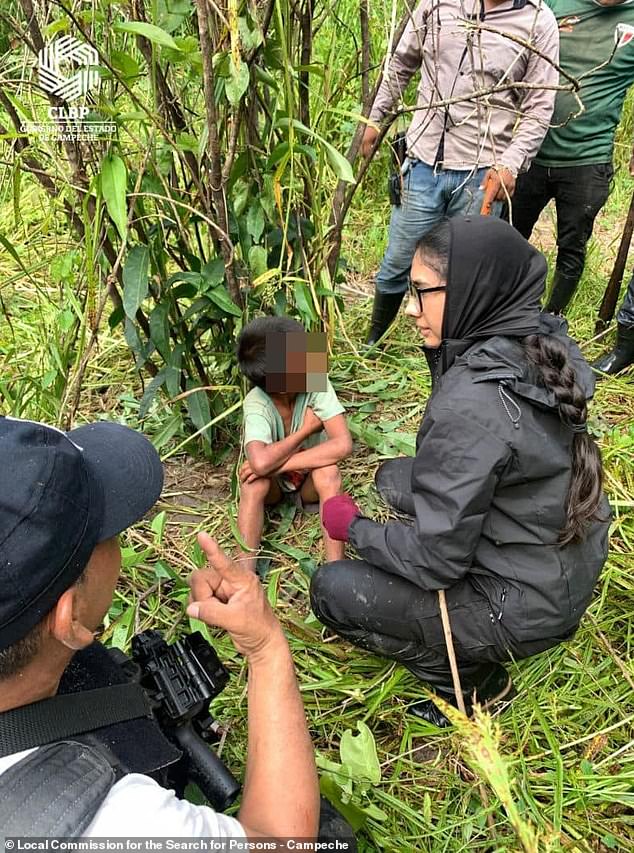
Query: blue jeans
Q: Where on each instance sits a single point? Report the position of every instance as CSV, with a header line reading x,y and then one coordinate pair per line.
x,y
626,312
428,196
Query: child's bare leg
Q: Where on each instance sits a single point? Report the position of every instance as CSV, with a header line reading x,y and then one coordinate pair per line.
x,y
253,497
321,484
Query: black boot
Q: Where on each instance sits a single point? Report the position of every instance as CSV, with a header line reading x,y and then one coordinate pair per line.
x,y
384,310
494,686
621,356
564,287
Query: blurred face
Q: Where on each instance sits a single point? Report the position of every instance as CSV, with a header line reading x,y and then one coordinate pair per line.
x,y
426,303
296,362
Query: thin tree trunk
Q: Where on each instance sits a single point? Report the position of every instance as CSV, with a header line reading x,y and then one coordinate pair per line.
x,y
213,147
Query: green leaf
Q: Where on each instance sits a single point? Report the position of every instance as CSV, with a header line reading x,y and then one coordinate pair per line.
x,y
250,38
158,527
152,33
255,221
352,813
213,272
150,393
258,262
123,629
61,268
340,166
125,64
114,178
198,409
222,299
304,302
187,142
358,753
170,14
167,431
173,371
238,82
160,329
375,812
135,280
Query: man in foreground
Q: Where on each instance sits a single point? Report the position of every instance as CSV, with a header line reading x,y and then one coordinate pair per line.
x,y
64,498
574,164
484,102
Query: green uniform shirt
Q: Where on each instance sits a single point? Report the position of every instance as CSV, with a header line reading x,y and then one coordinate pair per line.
x,y
587,39
262,421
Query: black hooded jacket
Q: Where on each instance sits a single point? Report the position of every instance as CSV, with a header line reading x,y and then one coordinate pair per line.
x,y
493,458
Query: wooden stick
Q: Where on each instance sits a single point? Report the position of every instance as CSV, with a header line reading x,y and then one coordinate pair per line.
x,y
455,676
453,663
611,295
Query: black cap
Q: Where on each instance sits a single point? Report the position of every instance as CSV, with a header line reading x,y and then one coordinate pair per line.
x,y
60,495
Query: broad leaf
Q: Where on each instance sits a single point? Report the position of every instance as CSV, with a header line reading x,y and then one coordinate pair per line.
x,y
340,166
152,33
173,371
222,299
237,83
213,272
358,753
198,409
114,178
255,221
160,330
258,264
135,280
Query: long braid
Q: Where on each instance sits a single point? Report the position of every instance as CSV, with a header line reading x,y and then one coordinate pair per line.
x,y
555,371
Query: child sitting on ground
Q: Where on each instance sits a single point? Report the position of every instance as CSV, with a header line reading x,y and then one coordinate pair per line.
x,y
295,431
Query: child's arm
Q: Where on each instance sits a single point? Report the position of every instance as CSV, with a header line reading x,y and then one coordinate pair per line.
x,y
265,459
337,447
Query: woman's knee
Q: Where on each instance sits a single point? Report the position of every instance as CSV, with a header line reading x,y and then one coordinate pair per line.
x,y
330,583
395,474
393,481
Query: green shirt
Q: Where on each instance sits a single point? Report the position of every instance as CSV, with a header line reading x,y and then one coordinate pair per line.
x,y
587,39
263,422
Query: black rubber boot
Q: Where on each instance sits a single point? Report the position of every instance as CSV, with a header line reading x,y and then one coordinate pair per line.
x,y
564,287
621,356
495,686
384,310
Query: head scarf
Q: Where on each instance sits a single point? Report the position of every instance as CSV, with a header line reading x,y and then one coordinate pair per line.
x,y
495,279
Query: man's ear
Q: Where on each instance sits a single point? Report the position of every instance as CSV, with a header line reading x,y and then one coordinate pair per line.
x,y
64,625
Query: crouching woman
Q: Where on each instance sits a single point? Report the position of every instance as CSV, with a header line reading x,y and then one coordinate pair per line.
x,y
503,502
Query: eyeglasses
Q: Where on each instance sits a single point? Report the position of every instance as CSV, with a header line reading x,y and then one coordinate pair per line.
x,y
418,294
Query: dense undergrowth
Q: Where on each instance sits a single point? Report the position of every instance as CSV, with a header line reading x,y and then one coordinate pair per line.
x,y
566,740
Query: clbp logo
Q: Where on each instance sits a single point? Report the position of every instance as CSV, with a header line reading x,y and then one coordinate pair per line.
x,y
68,51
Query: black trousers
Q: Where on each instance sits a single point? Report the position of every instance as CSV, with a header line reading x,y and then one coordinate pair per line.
x,y
579,192
393,618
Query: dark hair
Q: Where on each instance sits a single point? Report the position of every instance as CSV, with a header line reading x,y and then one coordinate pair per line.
x,y
251,347
434,246
21,653
555,371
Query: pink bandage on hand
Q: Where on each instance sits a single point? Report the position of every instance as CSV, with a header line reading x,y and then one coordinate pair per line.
x,y
337,515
